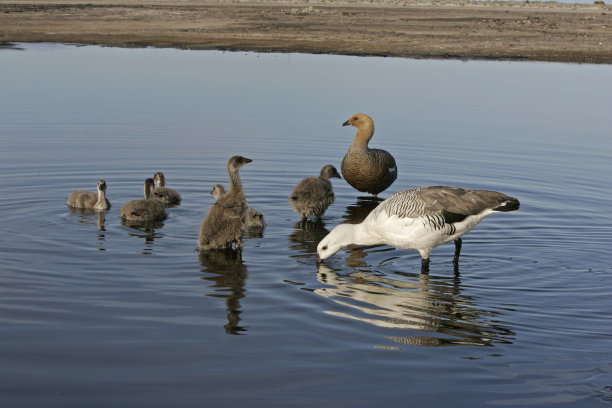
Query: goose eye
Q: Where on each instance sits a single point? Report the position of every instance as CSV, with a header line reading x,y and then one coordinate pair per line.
x,y
324,248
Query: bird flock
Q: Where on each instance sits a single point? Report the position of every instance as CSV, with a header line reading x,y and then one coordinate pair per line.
x,y
420,218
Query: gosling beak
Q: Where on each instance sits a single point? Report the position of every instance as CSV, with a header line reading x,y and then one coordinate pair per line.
x,y
346,123
247,160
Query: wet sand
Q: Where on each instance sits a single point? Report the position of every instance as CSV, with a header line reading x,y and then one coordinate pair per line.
x,y
538,31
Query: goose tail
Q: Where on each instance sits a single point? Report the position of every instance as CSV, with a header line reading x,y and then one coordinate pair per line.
x,y
511,204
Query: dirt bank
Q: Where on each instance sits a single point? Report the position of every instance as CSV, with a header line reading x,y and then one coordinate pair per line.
x,y
421,29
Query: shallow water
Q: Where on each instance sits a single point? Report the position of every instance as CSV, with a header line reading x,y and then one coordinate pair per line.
x,y
95,313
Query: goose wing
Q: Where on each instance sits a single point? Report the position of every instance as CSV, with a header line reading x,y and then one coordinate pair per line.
x,y
453,203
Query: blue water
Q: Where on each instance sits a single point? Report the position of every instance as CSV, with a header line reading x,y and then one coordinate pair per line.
x,y
94,313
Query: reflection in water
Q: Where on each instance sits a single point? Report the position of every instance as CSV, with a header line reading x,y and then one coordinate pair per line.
x,y
146,231
87,216
421,304
229,275
306,235
357,212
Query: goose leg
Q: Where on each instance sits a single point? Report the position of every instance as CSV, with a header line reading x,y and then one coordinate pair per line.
x,y
424,265
458,244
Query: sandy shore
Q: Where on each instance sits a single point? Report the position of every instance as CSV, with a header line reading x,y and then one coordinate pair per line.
x,y
418,29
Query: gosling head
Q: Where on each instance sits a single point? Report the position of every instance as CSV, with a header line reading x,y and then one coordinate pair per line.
x,y
159,179
328,172
102,186
337,239
218,191
149,187
236,162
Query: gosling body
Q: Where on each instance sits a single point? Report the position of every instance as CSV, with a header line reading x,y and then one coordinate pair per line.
x,y
148,209
225,222
255,219
166,195
367,170
313,195
89,199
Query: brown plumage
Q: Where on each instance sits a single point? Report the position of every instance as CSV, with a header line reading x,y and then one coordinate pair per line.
x,y
149,209
313,195
225,221
368,170
166,195
255,220
89,199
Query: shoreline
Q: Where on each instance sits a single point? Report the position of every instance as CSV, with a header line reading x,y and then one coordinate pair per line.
x,y
446,29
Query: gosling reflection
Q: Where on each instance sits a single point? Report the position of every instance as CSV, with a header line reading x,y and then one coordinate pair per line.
x,y
420,304
228,274
93,217
145,230
306,236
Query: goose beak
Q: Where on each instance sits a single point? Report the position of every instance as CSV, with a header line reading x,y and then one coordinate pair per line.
x,y
247,160
346,123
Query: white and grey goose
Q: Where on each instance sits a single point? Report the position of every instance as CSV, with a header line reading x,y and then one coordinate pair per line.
x,y
420,218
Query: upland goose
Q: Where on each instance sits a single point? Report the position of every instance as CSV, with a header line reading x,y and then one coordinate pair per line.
x,y
367,170
225,221
89,199
313,195
149,209
420,218
166,195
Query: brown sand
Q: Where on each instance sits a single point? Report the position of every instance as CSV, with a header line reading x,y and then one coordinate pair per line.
x,y
412,28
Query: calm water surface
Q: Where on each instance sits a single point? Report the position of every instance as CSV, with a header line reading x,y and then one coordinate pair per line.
x,y
94,313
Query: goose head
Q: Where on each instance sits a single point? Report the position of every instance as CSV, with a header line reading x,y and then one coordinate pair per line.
x,y
338,238
361,121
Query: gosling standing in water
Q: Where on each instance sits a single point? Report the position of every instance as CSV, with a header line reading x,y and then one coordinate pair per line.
x,y
420,218
313,195
255,220
367,170
89,199
149,209
225,221
166,195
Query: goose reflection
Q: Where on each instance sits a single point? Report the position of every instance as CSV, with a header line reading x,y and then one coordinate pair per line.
x,y
418,305
145,230
306,236
357,212
228,273
90,217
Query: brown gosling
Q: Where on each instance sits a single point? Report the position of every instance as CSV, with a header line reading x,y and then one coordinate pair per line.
x,y
166,195
255,220
89,199
367,170
149,209
225,221
313,195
